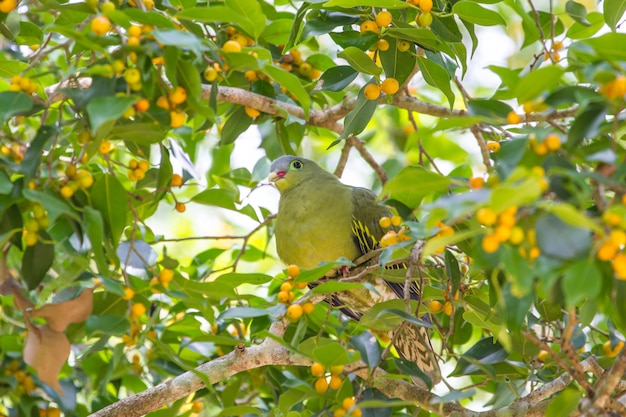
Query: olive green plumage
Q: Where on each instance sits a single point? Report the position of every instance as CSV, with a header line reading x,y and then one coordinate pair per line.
x,y
321,219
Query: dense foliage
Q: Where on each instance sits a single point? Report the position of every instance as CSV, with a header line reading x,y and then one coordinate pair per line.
x,y
134,247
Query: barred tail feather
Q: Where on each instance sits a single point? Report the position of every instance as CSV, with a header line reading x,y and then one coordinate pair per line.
x,y
413,344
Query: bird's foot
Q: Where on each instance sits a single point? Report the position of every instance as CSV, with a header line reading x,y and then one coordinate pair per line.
x,y
345,271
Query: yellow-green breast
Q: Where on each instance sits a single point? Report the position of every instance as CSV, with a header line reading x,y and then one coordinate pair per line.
x,y
314,224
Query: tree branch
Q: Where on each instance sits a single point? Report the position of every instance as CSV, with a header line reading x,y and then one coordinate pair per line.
x,y
607,385
320,118
327,118
269,352
343,159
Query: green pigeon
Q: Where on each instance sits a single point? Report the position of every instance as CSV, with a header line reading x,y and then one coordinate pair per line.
x,y
320,219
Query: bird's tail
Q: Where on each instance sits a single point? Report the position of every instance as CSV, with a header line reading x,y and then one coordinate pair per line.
x,y
413,344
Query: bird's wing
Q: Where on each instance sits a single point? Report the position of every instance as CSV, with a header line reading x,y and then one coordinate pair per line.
x,y
366,213
413,342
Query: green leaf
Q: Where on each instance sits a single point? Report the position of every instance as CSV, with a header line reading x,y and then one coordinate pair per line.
x,y
12,103
29,34
559,240
315,273
331,354
325,22
235,125
547,24
367,345
164,178
618,305
403,315
453,271
387,315
489,108
454,396
474,13
571,215
515,194
397,64
435,75
360,61
37,260
240,410
218,197
11,222
331,287
250,312
52,202
249,16
413,183
613,12
94,226
149,18
6,185
358,118
348,4
278,31
578,12
337,78
241,62
104,111
209,14
236,279
423,37
185,41
352,38
9,68
572,94
510,155
520,276
410,368
517,300
140,133
446,28
587,123
564,403
189,77
109,198
579,31
480,314
212,290
296,28
292,83
609,46
106,324
484,352
32,158
581,280
509,77
538,81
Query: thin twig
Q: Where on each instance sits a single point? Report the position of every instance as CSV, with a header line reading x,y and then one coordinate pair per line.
x,y
244,244
482,145
343,158
367,156
568,350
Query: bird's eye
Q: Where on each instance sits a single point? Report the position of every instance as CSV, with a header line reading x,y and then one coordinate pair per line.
x,y
296,164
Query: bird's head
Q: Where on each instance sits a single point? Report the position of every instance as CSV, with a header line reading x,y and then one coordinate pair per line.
x,y
289,171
